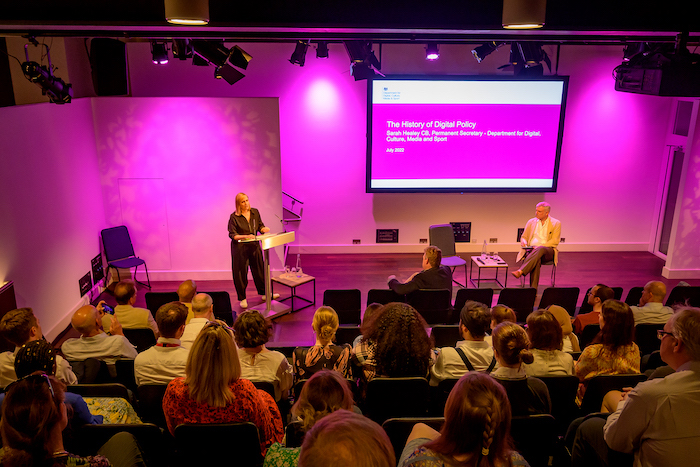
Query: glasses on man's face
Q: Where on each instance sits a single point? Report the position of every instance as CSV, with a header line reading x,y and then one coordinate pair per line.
x,y
34,377
661,334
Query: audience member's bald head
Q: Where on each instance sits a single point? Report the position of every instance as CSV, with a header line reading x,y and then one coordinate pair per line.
x,y
656,290
124,291
187,290
86,320
202,305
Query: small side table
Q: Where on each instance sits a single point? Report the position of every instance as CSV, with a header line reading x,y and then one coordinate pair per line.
x,y
495,262
292,281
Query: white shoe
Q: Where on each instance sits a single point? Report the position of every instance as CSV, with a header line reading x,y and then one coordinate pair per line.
x,y
275,296
244,303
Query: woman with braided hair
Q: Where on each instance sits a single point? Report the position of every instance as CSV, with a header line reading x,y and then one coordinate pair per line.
x,y
476,432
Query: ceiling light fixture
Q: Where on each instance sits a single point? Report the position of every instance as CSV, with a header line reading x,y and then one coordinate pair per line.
x,y
159,52
216,53
432,51
299,55
363,62
482,51
524,14
322,49
187,12
52,86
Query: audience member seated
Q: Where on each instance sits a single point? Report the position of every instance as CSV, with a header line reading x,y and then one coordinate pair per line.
x,y
657,421
323,354
107,320
167,359
471,354
33,418
395,344
476,430
346,439
371,309
545,336
39,356
499,314
527,395
213,392
203,309
125,312
186,292
258,363
20,327
613,351
651,309
432,276
93,342
596,296
569,339
324,393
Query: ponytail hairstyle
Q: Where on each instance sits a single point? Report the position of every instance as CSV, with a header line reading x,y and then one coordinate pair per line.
x,y
512,344
325,323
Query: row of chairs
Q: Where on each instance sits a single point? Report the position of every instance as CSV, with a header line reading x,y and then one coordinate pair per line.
x,y
221,300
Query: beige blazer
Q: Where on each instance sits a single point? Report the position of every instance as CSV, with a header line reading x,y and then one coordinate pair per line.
x,y
553,236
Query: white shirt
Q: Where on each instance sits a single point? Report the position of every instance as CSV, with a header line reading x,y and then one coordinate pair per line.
x,y
267,365
541,232
103,347
449,364
550,363
651,313
191,331
161,363
64,372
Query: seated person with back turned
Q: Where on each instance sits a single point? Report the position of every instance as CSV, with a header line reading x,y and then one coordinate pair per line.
x,y
203,309
166,360
93,342
129,316
20,327
433,275
598,294
542,233
186,292
471,354
651,309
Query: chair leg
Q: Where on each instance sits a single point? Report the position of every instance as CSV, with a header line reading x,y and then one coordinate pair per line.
x,y
148,278
554,274
453,275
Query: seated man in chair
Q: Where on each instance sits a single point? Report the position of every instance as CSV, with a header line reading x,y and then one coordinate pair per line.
x,y
538,243
432,276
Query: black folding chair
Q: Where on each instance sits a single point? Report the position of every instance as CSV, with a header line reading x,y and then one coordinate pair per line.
x,y
346,334
150,398
562,393
446,335
522,301
346,303
435,306
222,306
240,440
396,397
119,252
565,297
141,338
383,296
398,429
587,335
681,295
634,295
598,386
535,437
646,339
155,300
91,371
125,373
484,296
101,390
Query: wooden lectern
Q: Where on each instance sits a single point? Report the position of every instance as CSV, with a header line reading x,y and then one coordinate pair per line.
x,y
272,308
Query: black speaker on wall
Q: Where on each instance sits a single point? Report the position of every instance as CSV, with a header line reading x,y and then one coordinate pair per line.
x,y
108,63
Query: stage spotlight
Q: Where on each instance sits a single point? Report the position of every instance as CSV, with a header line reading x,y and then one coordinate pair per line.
x,y
159,52
363,62
482,51
213,52
322,49
182,49
229,73
432,51
299,55
526,57
187,12
239,57
632,50
524,14
52,86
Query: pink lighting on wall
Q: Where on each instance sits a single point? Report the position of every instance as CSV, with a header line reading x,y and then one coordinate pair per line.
x,y
322,99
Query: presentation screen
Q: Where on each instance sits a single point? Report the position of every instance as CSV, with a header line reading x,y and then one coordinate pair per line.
x,y
464,134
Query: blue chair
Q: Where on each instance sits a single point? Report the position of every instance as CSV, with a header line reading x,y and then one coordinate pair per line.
x,y
443,237
120,252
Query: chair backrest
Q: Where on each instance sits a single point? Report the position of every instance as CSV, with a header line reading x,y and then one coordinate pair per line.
x,y
565,297
439,395
346,334
600,385
645,337
681,294
634,295
396,397
151,403
562,393
294,434
141,338
398,429
435,305
535,437
446,335
91,371
443,237
587,335
155,300
383,296
345,302
219,444
117,243
484,296
618,292
90,438
266,386
296,389
222,306
522,301
125,373
101,390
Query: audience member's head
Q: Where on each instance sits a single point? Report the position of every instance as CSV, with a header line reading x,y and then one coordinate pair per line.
x,y
346,439
20,326
501,313
33,414
203,306
251,329
544,331
212,366
600,293
325,392
683,344
475,318
170,319
86,320
402,343
325,324
511,345
35,356
562,317
187,290
616,325
433,256
654,292
370,312
477,422
124,292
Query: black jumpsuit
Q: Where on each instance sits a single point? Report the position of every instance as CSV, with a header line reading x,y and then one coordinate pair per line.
x,y
244,253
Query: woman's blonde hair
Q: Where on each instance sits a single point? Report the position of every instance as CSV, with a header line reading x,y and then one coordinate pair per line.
x,y
325,392
325,323
212,366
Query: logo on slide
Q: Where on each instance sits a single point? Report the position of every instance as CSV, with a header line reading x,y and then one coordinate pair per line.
x,y
390,95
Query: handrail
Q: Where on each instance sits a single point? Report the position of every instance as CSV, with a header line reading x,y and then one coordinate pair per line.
x,y
287,194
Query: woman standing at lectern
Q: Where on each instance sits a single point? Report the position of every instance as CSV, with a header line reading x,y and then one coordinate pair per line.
x,y
243,225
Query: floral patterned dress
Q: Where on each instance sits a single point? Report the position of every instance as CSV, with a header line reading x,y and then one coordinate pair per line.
x,y
308,361
597,360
